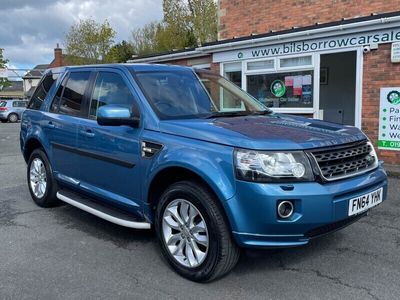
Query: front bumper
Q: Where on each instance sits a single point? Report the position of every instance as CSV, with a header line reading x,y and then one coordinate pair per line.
x,y
319,209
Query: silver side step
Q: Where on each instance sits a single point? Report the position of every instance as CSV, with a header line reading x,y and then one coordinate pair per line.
x,y
100,211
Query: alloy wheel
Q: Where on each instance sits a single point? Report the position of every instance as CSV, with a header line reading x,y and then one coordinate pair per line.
x,y
185,233
13,118
38,178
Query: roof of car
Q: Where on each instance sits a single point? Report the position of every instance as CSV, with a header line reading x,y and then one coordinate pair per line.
x,y
134,67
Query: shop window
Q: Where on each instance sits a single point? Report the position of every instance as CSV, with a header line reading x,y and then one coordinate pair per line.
x,y
283,90
233,72
295,62
261,65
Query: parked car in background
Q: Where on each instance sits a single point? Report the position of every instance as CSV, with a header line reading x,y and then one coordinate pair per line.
x,y
155,146
11,110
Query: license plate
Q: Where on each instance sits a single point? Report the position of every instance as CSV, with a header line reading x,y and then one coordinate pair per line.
x,y
364,202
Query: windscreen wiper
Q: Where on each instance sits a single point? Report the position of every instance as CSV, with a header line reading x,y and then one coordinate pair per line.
x,y
261,112
222,114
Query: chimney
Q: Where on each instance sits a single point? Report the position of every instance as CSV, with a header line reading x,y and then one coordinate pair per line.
x,y
58,58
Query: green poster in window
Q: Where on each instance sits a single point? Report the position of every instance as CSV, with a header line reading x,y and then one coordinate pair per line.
x,y
278,88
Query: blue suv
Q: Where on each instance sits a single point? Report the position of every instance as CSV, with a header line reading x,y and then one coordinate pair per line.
x,y
190,154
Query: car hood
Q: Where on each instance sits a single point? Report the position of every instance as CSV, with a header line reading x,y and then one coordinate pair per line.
x,y
264,132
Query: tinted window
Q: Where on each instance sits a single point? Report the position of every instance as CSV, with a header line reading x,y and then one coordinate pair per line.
x,y
3,103
41,91
15,104
71,101
110,88
56,101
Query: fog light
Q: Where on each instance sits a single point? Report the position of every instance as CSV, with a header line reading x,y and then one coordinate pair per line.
x,y
285,209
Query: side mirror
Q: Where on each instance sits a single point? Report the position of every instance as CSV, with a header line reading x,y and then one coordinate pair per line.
x,y
117,115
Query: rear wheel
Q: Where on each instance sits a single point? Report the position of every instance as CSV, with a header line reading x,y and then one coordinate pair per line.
x,y
12,118
193,233
42,185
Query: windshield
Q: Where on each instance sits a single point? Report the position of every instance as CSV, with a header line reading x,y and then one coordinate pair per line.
x,y
200,94
3,103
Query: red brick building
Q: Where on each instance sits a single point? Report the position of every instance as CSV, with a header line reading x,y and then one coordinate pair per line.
x,y
338,60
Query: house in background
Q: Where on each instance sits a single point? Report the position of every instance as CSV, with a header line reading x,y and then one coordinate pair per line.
x,y
14,91
32,77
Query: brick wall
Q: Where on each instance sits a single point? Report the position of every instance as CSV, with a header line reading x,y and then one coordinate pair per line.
x,y
378,72
244,17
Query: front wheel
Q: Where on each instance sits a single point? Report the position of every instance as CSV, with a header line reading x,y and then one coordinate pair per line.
x,y
193,233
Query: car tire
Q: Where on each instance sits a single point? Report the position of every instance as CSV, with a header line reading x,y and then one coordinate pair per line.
x,y
12,118
42,185
219,255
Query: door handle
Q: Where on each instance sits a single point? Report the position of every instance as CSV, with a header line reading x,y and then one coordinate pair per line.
x,y
88,133
50,125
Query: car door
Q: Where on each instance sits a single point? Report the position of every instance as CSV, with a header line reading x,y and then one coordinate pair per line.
x,y
60,125
110,155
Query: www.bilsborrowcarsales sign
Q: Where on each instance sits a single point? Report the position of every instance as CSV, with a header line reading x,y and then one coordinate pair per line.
x,y
311,45
389,119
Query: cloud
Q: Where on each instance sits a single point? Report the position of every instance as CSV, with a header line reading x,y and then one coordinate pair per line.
x,y
29,30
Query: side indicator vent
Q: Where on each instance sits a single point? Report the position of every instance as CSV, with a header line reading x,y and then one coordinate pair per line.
x,y
149,149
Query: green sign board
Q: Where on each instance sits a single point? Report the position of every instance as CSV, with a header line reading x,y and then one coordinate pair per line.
x,y
389,119
278,88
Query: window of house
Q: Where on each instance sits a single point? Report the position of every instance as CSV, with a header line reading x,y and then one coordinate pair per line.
x,y
233,72
110,88
261,65
72,97
292,62
283,90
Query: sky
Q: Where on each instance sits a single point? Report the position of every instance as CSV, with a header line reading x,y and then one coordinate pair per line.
x,y
30,29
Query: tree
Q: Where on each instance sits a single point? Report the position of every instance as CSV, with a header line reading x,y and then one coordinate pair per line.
x,y
144,40
203,18
88,42
120,52
176,30
186,23
3,61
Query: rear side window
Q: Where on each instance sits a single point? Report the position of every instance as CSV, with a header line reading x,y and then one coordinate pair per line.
x,y
72,97
110,88
41,91
56,101
15,104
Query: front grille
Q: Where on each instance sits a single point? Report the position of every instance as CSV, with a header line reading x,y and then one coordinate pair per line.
x,y
345,161
325,229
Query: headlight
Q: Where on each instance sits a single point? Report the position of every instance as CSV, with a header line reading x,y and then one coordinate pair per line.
x,y
262,166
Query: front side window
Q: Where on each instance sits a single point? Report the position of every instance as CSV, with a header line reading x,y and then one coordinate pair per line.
x,y
42,90
72,97
185,94
110,88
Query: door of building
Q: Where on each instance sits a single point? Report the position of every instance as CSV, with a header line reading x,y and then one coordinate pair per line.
x,y
337,95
